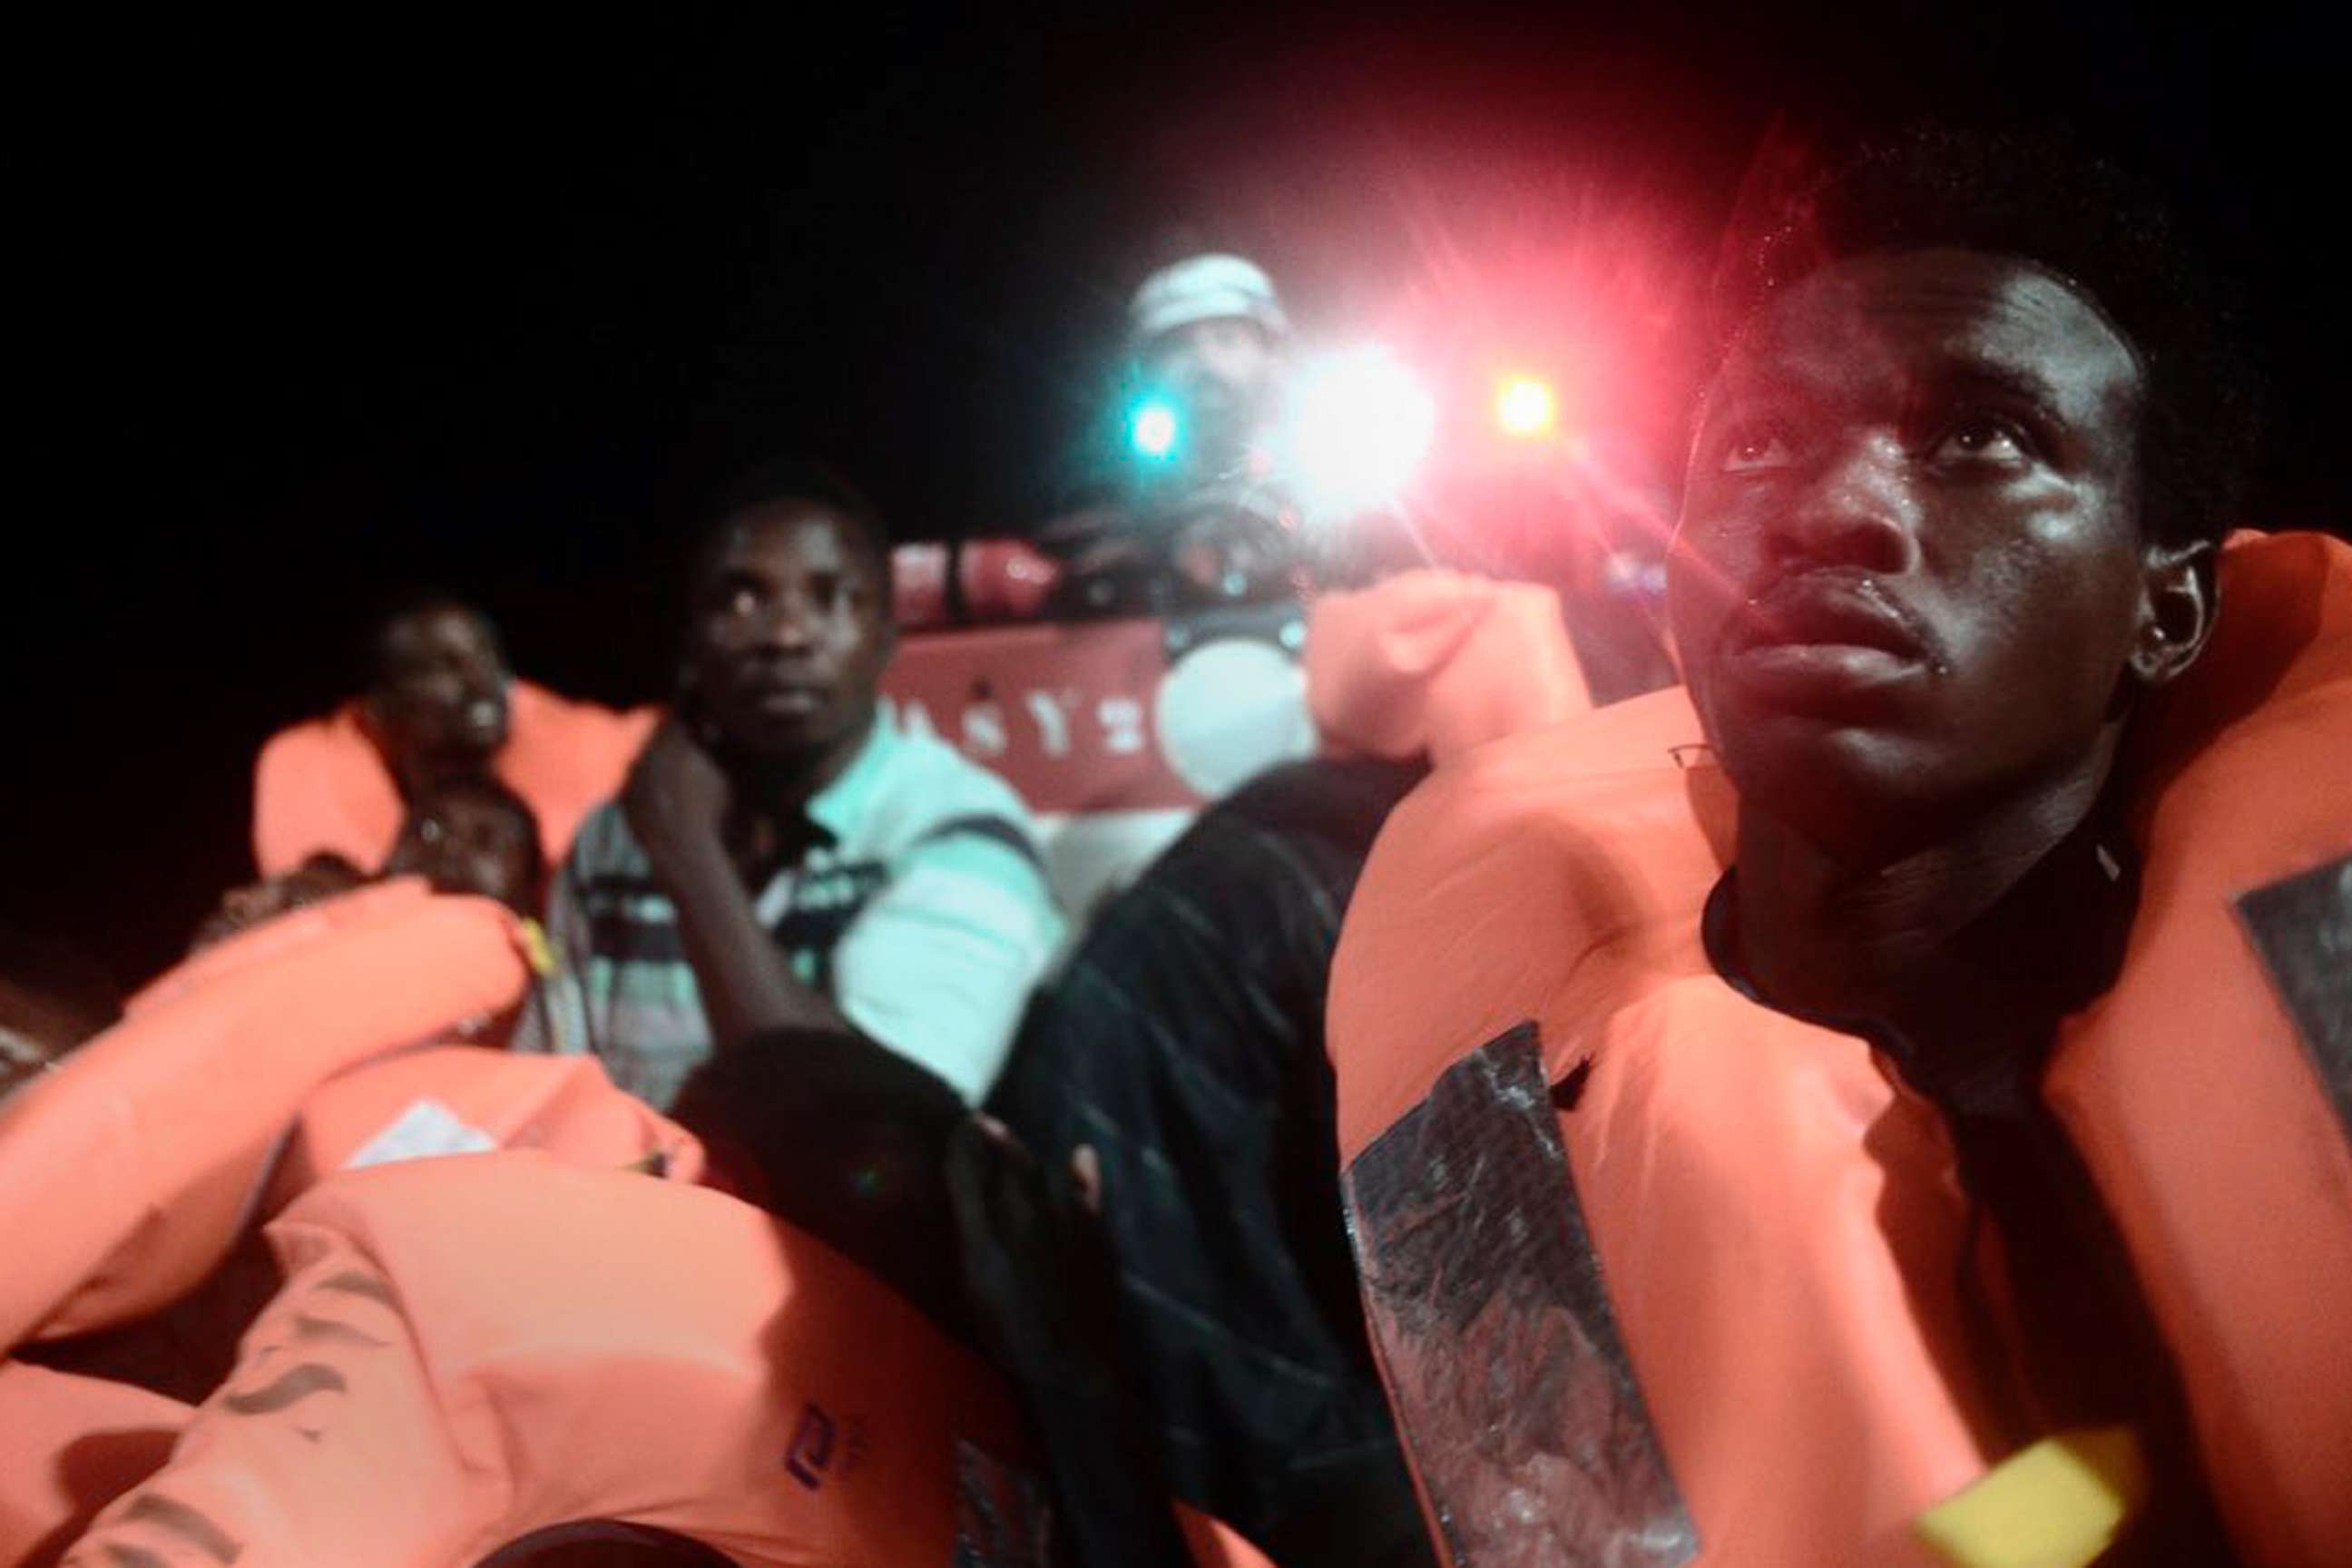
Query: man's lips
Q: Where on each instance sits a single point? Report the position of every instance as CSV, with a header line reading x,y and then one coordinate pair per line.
x,y
1826,610
786,696
1826,642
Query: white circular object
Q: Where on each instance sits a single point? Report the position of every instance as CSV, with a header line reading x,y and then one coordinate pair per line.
x,y
1229,710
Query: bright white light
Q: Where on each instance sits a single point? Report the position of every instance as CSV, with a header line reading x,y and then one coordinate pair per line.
x,y
1524,406
1152,430
1359,427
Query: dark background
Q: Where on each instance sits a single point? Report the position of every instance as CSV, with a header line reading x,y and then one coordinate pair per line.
x,y
321,307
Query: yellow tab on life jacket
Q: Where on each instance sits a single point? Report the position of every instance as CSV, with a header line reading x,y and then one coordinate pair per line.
x,y
536,948
2057,1504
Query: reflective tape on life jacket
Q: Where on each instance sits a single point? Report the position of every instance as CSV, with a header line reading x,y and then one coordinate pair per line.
x,y
322,786
1538,1071
68,1445
126,1175
466,1350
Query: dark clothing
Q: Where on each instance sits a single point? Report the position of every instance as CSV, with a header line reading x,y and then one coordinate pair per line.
x,y
1184,1042
2074,1345
844,1139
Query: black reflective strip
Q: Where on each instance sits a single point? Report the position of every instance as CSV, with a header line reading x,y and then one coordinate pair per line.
x,y
2302,926
189,1524
333,1332
1504,1364
1003,830
290,1387
358,1282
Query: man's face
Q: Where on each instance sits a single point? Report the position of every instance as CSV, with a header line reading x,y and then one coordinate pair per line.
x,y
1234,353
467,843
440,696
788,636
1909,571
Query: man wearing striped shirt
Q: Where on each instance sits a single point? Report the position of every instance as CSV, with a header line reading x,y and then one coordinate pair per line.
x,y
783,865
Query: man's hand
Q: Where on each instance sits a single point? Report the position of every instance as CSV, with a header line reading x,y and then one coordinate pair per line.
x,y
1037,1268
677,796
676,802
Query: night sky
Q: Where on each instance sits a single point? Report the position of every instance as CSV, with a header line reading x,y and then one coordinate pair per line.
x,y
322,309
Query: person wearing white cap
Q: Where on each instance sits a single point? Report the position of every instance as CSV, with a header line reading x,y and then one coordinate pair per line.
x,y
1209,332
1186,518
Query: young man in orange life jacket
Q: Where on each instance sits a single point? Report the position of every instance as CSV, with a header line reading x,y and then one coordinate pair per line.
x,y
440,704
1892,1134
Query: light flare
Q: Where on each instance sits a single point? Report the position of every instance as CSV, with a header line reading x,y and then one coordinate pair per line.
x,y
1525,407
1360,424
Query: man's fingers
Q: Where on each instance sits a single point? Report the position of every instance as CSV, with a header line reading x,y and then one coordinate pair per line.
x,y
1086,1173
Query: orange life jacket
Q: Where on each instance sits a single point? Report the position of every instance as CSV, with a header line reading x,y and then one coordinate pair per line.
x,y
264,1064
1430,663
126,1175
321,785
68,1445
238,1081
469,1350
1765,1367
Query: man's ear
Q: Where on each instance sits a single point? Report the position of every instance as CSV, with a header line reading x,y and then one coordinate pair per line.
x,y
2178,603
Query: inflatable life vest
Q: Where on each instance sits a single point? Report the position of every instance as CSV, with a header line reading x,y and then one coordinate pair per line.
x,y
71,1444
68,1445
1539,1073
467,1350
125,1176
1433,664
322,785
241,1079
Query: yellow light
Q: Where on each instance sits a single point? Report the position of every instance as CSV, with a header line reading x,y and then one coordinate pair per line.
x,y
1524,406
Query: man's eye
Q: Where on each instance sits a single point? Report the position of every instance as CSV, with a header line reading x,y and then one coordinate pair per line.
x,y
431,831
1756,451
1978,439
742,601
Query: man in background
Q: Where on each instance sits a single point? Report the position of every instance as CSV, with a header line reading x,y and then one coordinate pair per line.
x,y
441,704
783,857
1187,507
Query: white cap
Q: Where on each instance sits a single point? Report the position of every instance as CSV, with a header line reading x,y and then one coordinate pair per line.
x,y
1205,288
